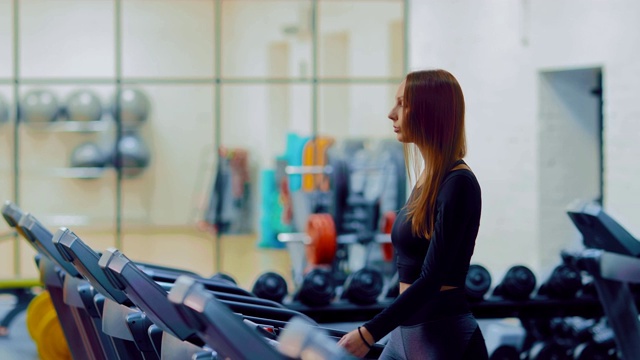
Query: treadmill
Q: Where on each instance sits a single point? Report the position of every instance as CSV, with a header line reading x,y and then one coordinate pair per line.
x,y
86,260
51,275
80,309
233,339
77,292
153,299
151,296
612,258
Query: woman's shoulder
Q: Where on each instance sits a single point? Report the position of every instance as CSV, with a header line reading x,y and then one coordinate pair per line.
x,y
460,178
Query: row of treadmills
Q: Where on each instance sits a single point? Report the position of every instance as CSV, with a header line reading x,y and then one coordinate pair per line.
x,y
110,307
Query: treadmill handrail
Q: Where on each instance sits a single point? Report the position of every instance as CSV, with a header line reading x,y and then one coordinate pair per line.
x,y
146,294
11,213
151,297
223,330
36,233
85,261
599,230
611,266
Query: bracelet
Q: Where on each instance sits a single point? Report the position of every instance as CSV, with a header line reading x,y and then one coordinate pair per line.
x,y
363,339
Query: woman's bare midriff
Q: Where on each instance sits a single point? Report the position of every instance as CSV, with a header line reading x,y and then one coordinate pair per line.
x,y
405,286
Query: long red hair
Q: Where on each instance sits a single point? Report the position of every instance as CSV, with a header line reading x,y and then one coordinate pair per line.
x,y
434,115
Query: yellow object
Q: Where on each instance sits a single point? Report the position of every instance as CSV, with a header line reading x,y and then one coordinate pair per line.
x,y
19,283
312,182
39,306
44,327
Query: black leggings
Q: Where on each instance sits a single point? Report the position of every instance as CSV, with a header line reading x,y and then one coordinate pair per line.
x,y
450,338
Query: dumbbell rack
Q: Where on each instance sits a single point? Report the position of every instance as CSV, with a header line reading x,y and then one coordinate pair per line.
x,y
297,241
492,308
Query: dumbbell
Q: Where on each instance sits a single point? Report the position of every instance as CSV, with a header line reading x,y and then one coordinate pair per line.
x,y
518,284
601,345
477,283
270,286
317,289
585,339
587,286
363,287
224,277
563,283
575,328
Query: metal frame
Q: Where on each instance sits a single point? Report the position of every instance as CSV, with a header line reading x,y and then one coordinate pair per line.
x,y
16,145
611,275
217,82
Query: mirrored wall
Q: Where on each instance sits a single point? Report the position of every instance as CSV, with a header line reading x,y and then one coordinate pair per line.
x,y
200,81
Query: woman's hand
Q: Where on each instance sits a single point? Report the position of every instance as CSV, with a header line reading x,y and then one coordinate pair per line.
x,y
353,343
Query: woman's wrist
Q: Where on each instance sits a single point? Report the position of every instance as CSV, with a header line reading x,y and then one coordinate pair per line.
x,y
366,336
363,338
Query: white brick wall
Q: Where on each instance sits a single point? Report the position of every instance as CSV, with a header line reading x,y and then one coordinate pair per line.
x,y
622,131
497,49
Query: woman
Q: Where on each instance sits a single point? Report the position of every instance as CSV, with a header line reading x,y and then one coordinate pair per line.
x,y
434,234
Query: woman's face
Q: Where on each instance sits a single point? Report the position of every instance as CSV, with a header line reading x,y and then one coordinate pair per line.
x,y
397,114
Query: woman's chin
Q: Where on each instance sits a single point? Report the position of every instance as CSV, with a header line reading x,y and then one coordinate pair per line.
x,y
400,138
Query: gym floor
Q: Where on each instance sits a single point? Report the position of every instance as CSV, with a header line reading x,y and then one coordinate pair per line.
x,y
18,345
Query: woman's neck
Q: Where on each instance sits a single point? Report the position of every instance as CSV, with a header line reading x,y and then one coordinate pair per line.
x,y
422,177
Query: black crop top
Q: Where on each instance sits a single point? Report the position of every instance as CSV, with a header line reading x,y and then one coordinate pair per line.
x,y
443,260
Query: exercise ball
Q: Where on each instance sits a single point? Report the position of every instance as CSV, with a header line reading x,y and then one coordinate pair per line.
x,y
87,154
84,105
134,107
4,110
39,106
134,155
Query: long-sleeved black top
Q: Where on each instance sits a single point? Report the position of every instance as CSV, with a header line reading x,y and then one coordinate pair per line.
x,y
442,260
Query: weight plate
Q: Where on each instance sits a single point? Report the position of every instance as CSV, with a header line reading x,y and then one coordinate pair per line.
x,y
50,339
38,307
322,247
387,224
